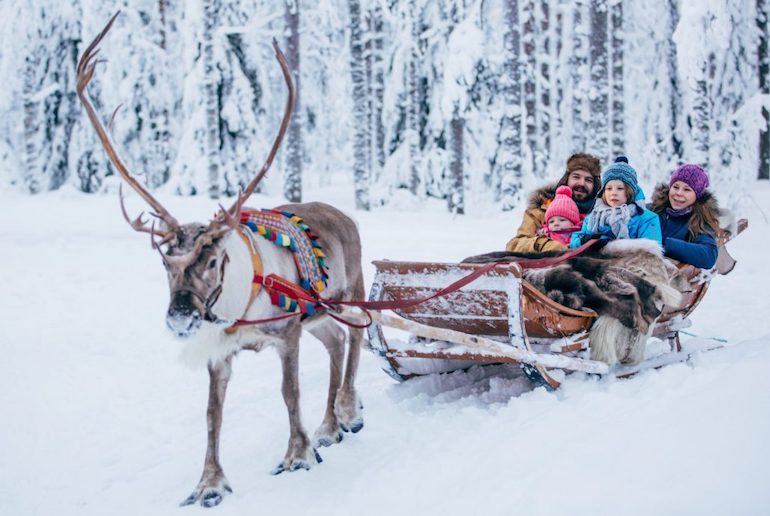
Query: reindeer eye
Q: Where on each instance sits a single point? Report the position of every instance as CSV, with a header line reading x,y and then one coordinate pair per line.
x,y
212,263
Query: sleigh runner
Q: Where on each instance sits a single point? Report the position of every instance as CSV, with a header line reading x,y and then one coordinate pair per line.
x,y
501,318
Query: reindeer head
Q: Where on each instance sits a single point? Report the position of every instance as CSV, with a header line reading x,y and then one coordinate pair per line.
x,y
195,256
195,264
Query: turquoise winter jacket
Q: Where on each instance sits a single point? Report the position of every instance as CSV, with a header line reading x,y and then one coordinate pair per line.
x,y
645,224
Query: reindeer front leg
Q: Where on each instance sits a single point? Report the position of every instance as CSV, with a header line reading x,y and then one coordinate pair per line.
x,y
300,453
213,485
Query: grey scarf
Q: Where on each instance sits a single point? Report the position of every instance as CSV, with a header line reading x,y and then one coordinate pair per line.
x,y
616,218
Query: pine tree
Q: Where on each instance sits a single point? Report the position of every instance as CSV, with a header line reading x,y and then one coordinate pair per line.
x,y
763,11
211,81
377,87
361,123
455,189
292,186
617,113
413,107
455,184
529,80
578,66
598,144
544,86
701,113
49,101
675,90
509,138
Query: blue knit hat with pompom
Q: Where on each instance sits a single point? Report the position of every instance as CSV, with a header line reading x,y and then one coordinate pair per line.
x,y
621,170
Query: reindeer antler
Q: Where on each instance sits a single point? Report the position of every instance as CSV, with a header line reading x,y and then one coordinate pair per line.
x,y
85,72
234,212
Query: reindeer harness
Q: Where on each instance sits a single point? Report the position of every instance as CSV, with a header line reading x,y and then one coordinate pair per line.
x,y
286,230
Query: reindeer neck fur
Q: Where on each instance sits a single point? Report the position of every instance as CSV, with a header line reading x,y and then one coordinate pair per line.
x,y
211,343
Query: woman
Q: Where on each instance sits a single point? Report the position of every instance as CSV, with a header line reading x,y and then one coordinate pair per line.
x,y
689,217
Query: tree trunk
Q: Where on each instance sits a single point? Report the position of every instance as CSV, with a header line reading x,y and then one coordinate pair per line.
x,y
544,85
292,185
529,78
618,145
32,124
557,77
377,131
413,102
361,125
455,193
675,93
763,11
162,33
578,63
599,97
701,116
509,139
213,101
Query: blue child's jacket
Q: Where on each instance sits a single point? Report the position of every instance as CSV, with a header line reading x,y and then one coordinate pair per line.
x,y
644,224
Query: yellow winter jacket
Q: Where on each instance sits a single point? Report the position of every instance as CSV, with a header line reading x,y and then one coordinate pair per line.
x,y
527,240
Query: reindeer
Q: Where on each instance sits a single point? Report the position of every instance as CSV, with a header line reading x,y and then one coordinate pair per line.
x,y
210,271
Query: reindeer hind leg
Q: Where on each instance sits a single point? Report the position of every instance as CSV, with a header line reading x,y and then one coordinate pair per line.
x,y
348,406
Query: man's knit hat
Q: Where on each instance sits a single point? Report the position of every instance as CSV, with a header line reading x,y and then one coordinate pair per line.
x,y
624,172
563,206
693,175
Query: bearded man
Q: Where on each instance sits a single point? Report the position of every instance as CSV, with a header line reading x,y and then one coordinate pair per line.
x,y
583,176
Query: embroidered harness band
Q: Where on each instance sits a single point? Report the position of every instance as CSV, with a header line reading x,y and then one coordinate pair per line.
x,y
288,231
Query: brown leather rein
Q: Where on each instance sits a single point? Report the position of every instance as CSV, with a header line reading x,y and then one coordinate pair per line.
x,y
288,288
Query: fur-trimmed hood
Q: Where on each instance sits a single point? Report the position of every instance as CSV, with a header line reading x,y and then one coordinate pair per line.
x,y
539,197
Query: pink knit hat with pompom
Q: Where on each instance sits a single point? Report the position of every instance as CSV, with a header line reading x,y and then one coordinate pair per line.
x,y
563,206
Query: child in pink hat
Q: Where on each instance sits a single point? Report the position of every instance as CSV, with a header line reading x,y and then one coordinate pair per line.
x,y
562,218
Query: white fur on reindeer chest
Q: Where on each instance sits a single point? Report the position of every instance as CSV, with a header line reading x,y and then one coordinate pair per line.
x,y
211,342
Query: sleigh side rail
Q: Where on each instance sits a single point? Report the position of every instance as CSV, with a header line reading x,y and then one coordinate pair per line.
x,y
499,304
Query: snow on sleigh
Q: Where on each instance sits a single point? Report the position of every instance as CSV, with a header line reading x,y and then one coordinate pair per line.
x,y
496,316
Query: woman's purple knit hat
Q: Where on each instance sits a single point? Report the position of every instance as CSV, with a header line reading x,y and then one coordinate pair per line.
x,y
693,175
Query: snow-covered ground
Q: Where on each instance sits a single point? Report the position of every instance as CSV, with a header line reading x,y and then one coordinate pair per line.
x,y
99,417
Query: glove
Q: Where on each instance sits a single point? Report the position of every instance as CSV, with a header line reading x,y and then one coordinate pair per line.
x,y
590,236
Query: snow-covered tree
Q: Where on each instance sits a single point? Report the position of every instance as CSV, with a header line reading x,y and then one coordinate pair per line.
x,y
510,138
211,80
763,69
579,75
361,122
529,72
617,111
292,187
598,143
48,91
377,85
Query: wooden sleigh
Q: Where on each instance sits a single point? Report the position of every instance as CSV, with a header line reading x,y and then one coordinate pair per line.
x,y
501,318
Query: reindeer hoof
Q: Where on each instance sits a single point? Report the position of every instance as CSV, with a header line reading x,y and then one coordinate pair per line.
x,y
326,435
328,440
208,497
295,464
354,427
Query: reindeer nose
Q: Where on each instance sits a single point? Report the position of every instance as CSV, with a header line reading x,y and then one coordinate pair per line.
x,y
182,317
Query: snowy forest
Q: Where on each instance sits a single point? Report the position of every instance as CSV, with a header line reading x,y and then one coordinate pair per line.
x,y
472,102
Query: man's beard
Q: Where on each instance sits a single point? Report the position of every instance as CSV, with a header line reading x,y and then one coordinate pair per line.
x,y
580,194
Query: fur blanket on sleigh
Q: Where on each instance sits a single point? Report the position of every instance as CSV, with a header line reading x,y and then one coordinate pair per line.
x,y
626,282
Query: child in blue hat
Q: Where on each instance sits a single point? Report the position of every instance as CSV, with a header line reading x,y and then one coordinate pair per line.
x,y
619,212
